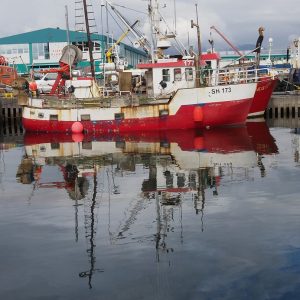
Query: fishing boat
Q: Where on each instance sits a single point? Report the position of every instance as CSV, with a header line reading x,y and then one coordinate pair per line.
x,y
268,77
265,87
178,94
192,107
266,82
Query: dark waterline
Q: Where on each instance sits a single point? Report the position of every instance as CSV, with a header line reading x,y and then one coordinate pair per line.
x,y
180,215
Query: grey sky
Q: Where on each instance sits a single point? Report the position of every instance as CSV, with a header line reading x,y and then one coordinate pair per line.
x,y
237,19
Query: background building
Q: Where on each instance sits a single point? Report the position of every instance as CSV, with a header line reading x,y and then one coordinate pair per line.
x,y
42,49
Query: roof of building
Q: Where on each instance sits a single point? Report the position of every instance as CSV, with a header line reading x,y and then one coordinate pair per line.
x,y
55,35
47,35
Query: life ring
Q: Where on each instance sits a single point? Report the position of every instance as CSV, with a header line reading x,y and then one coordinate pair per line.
x,y
2,60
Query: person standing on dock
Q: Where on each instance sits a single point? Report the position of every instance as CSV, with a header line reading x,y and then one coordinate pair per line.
x,y
258,45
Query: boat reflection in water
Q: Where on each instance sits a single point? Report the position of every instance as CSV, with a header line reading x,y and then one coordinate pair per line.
x,y
179,165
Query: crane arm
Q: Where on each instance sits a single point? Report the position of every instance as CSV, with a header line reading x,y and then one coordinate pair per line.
x,y
226,40
141,40
109,51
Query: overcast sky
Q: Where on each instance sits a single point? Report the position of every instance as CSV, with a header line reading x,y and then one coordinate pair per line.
x,y
237,19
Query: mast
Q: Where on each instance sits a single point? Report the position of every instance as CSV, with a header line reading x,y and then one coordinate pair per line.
x,y
150,15
68,37
90,44
198,36
199,80
159,43
90,224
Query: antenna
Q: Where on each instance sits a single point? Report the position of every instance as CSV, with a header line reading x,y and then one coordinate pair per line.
x,y
175,18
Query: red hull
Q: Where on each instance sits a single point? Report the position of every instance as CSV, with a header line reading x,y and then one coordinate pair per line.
x,y
234,139
262,96
254,136
262,140
213,115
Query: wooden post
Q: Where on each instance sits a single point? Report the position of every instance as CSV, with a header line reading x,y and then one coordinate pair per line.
x,y
90,44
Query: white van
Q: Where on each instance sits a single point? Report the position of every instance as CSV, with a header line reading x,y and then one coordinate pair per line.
x,y
44,85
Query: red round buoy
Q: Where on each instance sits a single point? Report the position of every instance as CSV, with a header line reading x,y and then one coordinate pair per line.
x,y
199,143
77,127
77,137
198,114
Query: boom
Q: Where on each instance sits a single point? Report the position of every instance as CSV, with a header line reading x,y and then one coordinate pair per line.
x,y
141,39
109,51
226,40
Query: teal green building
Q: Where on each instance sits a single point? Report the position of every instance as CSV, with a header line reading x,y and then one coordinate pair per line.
x,y
42,49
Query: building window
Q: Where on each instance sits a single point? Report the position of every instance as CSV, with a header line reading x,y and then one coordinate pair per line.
x,y
166,75
40,51
177,74
189,74
16,49
83,46
97,47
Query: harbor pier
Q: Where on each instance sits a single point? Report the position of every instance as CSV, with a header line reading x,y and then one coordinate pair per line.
x,y
10,117
284,110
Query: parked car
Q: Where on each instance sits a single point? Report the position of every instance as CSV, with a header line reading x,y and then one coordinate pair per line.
x,y
44,85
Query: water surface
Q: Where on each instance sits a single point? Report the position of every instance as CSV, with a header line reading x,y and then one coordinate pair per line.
x,y
175,215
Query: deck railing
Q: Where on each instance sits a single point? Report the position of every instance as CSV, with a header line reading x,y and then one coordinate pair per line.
x,y
234,75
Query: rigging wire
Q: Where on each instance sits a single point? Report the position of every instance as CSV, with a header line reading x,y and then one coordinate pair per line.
x,y
120,27
140,12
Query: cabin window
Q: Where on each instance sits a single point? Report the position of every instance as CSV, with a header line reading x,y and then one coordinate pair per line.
x,y
177,74
85,118
53,117
55,146
120,144
119,116
189,74
166,75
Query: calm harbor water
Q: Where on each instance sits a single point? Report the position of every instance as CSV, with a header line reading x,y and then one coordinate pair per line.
x,y
176,215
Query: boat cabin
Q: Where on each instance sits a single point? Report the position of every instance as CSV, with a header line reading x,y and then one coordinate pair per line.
x,y
167,75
